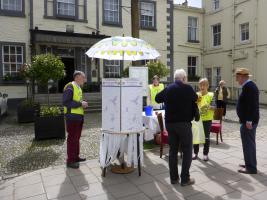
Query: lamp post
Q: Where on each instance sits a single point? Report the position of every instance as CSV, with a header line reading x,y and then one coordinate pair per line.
x,y
27,85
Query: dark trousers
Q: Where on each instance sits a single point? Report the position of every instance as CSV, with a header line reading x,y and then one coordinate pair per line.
x,y
180,133
206,126
249,147
74,129
221,104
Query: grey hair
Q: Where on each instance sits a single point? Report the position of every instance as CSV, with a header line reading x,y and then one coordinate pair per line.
x,y
76,73
180,74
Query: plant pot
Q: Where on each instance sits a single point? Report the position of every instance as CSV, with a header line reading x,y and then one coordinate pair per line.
x,y
48,127
26,114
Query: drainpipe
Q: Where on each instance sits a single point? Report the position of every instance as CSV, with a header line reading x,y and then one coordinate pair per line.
x,y
255,42
233,49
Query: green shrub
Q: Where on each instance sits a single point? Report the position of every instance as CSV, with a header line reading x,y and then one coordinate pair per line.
x,y
50,111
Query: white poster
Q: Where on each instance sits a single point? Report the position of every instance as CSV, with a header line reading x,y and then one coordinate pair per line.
x,y
141,73
122,105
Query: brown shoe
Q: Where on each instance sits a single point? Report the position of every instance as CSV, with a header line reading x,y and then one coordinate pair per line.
x,y
191,181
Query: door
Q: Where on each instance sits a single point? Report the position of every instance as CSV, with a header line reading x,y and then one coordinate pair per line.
x,y
69,70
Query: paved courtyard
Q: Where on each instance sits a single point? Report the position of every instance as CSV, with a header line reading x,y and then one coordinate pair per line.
x,y
216,179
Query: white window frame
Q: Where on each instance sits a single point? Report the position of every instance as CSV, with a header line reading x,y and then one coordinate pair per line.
x,y
244,28
111,11
84,62
9,62
190,66
114,69
216,4
147,14
219,37
68,8
193,29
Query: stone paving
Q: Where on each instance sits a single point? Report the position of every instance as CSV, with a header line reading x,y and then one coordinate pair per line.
x,y
216,179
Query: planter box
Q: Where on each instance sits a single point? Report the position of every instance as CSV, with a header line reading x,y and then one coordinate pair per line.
x,y
49,127
26,114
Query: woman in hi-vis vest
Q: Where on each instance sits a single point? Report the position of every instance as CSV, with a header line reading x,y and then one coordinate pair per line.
x,y
154,89
206,105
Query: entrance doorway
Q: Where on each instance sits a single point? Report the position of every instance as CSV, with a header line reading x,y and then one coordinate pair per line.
x,y
69,70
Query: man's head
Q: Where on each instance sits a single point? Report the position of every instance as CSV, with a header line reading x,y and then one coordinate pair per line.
x,y
180,75
242,75
155,80
221,83
79,77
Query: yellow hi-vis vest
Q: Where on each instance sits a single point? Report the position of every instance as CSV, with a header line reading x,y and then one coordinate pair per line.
x,y
77,96
206,113
154,90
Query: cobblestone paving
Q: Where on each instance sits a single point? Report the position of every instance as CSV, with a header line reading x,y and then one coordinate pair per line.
x,y
20,154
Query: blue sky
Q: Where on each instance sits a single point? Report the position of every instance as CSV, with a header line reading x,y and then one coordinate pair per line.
x,y
195,3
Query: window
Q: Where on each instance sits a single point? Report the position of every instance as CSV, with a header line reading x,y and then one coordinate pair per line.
x,y
12,58
216,4
244,32
111,11
216,32
112,69
147,18
11,5
216,75
14,8
208,74
192,29
192,66
66,7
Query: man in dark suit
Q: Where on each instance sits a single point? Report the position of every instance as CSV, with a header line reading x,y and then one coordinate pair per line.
x,y
180,109
248,112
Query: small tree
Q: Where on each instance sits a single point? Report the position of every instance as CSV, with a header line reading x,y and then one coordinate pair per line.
x,y
46,67
157,68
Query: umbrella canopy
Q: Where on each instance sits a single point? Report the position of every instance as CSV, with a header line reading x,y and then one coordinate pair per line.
x,y
123,48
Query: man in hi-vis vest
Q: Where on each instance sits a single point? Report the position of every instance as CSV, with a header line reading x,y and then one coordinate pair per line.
x,y
74,114
154,89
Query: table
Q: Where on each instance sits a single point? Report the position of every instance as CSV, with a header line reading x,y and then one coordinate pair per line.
x,y
152,125
130,143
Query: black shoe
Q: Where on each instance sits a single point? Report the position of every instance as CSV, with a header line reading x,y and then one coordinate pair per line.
x,y
191,181
194,157
81,159
174,181
241,165
74,165
245,171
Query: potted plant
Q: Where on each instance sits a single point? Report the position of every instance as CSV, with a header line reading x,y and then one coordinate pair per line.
x,y
49,123
49,120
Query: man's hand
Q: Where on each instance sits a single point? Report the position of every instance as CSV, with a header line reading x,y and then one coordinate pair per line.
x,y
84,104
249,125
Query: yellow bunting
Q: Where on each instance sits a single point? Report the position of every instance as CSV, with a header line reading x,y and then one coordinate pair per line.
x,y
128,53
124,43
134,43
